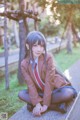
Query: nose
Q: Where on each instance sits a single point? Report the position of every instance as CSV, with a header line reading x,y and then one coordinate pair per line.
x,y
39,48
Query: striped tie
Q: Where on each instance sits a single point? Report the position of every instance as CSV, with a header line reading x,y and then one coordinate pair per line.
x,y
38,80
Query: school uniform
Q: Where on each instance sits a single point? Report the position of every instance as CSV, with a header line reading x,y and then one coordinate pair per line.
x,y
51,80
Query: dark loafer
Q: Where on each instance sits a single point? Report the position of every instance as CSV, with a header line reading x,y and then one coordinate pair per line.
x,y
59,107
29,107
63,108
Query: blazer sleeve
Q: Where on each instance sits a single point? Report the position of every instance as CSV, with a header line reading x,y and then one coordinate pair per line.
x,y
50,74
35,98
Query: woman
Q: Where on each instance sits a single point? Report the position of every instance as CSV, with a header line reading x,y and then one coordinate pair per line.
x,y
47,89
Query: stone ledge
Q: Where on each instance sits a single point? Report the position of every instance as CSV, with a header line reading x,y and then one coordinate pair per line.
x,y
74,112
24,114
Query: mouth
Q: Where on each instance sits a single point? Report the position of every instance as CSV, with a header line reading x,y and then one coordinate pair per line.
x,y
38,53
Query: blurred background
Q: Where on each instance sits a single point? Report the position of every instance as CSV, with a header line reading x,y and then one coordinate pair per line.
x,y
58,21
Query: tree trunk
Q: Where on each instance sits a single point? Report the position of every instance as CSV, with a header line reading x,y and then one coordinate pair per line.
x,y
69,39
1,43
23,31
75,36
69,35
6,52
16,33
75,40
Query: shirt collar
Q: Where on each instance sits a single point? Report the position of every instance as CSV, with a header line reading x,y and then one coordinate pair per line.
x,y
35,61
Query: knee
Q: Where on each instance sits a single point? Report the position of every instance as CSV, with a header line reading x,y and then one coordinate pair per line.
x,y
69,94
22,93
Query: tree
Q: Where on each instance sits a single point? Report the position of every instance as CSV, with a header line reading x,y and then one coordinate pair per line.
x,y
20,16
6,51
64,13
23,31
0,36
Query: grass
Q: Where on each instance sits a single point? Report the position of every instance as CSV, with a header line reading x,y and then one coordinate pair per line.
x,y
9,101
65,60
1,49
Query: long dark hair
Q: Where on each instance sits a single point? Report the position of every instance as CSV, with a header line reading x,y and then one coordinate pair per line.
x,y
31,39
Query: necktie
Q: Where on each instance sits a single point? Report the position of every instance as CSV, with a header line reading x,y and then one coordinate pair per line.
x,y
38,79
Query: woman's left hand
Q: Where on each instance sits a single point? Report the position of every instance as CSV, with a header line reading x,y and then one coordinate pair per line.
x,y
44,108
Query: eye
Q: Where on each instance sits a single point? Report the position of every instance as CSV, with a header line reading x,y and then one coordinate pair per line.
x,y
35,45
42,45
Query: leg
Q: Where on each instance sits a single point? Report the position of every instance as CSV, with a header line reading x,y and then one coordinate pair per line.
x,y
63,94
60,97
24,95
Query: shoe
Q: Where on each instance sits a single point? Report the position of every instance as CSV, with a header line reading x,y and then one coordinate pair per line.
x,y
29,107
63,108
59,107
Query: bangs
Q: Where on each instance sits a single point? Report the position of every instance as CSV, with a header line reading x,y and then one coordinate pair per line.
x,y
39,40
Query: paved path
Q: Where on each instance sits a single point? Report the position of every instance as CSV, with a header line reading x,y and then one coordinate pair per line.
x,y
75,110
13,57
73,73
23,114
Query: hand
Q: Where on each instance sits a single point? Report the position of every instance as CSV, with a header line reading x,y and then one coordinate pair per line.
x,y
37,110
44,108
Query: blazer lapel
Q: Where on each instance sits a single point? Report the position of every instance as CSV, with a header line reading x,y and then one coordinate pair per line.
x,y
31,72
40,63
30,69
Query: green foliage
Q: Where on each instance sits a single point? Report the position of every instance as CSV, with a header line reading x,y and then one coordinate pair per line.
x,y
42,3
76,18
1,49
47,27
64,12
69,1
65,60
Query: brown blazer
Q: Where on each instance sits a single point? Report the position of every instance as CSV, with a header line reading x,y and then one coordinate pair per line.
x,y
50,78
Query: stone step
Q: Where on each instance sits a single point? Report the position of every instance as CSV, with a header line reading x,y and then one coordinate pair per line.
x,y
74,112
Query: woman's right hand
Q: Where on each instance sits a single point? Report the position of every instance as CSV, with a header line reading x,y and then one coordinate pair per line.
x,y
37,110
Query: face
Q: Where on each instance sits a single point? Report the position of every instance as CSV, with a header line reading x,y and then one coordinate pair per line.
x,y
37,50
